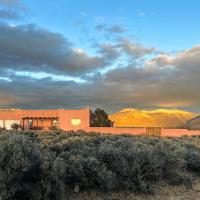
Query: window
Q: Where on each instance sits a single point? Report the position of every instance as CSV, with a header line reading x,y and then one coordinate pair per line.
x,y
75,122
55,123
30,123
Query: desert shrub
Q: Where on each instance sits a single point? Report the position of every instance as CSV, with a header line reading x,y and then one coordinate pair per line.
x,y
2,129
192,158
172,163
30,168
16,126
87,172
135,166
29,133
18,172
121,162
35,128
22,171
147,160
53,128
51,177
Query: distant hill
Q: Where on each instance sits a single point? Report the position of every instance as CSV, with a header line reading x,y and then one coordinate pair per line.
x,y
170,118
194,123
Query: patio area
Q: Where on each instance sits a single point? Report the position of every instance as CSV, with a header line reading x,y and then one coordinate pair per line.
x,y
40,123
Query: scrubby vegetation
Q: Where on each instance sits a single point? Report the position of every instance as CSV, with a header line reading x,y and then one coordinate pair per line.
x,y
39,165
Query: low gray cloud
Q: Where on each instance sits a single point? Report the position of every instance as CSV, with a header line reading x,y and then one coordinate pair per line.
x,y
129,86
30,47
188,59
165,81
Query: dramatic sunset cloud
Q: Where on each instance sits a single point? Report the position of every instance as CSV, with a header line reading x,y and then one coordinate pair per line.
x,y
48,60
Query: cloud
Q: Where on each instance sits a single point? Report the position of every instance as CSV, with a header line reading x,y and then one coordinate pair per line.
x,y
12,10
151,79
185,60
109,51
189,58
9,2
129,86
6,99
114,29
30,47
127,49
135,49
171,81
162,60
161,85
41,93
8,14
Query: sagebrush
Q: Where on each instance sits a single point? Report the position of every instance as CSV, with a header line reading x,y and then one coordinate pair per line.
x,y
38,165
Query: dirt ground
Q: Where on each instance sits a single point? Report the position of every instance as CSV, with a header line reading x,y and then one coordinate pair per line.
x,y
161,193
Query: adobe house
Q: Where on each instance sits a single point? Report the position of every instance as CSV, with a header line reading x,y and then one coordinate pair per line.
x,y
46,119
68,120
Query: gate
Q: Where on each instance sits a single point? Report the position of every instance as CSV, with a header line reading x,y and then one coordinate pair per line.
x,y
153,131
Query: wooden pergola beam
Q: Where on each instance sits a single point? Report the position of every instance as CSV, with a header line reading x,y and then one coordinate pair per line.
x,y
39,118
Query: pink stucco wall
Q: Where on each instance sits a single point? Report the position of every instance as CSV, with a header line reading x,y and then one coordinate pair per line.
x,y
64,117
115,130
179,132
142,131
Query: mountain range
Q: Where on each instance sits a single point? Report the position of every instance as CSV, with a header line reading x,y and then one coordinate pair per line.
x,y
167,118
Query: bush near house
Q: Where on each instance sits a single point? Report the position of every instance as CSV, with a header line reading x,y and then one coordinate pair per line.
x,y
2,129
50,165
16,126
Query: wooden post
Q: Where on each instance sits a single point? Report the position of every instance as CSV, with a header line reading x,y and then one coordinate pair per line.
x,y
4,124
37,124
23,124
28,127
51,123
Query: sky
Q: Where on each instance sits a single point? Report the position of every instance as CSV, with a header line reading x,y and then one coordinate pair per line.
x,y
112,54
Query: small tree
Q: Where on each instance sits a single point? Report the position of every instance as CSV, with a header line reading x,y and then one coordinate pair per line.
x,y
100,119
16,126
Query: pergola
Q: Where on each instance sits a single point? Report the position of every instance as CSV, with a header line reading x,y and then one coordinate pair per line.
x,y
39,119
